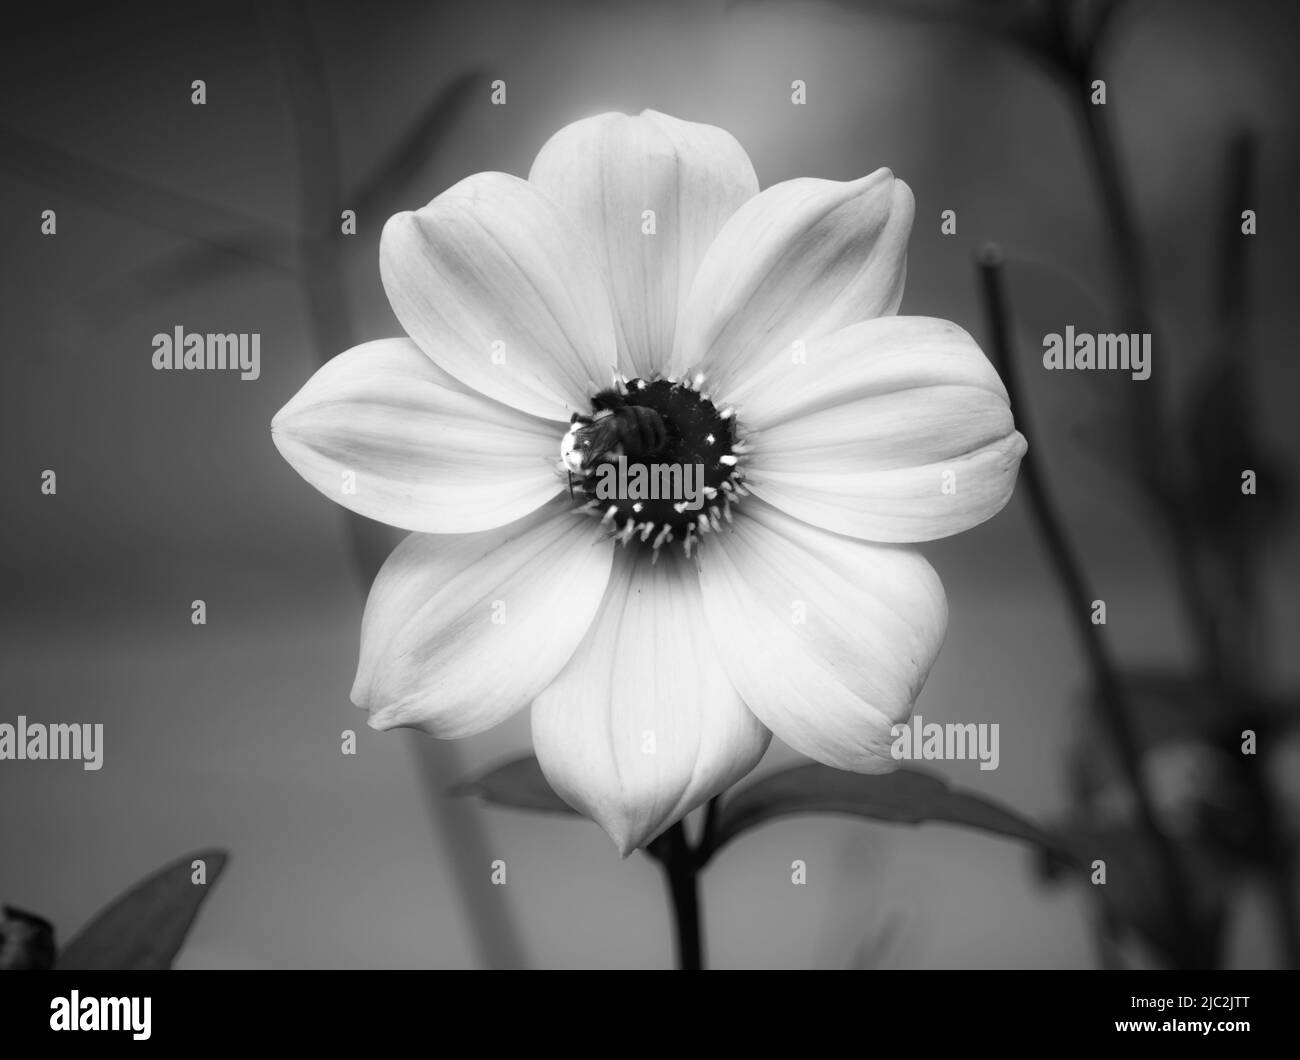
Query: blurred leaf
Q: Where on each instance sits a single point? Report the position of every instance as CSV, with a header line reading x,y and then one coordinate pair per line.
x,y
1025,24
1188,739
217,248
907,796
186,269
1219,428
1169,706
386,190
1170,711
518,784
218,258
1131,898
145,927
1096,411
121,193
1221,442
1011,17
881,942
1172,707
26,941
1231,256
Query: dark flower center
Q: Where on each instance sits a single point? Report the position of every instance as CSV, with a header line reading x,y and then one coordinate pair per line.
x,y
656,461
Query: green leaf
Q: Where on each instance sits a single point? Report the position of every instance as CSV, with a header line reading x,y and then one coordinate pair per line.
x,y
145,927
518,784
907,796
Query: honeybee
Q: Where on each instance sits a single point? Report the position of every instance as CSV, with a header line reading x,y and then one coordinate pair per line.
x,y
614,429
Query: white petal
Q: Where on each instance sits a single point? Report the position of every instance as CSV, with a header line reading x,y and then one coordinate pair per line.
x,y
606,172
827,639
461,631
643,725
383,431
802,259
895,429
500,290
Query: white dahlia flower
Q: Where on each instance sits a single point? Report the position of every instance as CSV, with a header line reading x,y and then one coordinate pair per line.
x,y
638,300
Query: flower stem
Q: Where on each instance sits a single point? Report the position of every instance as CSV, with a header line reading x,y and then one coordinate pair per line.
x,y
681,867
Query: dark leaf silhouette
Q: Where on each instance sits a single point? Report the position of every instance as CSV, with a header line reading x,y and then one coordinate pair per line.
x,y
145,927
26,941
907,796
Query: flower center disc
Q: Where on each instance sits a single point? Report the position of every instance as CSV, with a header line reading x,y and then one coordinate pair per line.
x,y
683,488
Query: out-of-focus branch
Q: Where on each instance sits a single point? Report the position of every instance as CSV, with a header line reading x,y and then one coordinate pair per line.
x,y
321,262
142,200
1149,429
1232,282
379,195
1242,643
1216,578
1115,708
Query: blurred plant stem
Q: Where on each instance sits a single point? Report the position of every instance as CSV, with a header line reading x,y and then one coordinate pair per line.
x,y
1117,711
1215,563
457,826
1216,579
1240,639
1149,431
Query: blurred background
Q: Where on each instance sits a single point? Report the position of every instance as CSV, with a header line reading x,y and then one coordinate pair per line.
x,y
170,490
